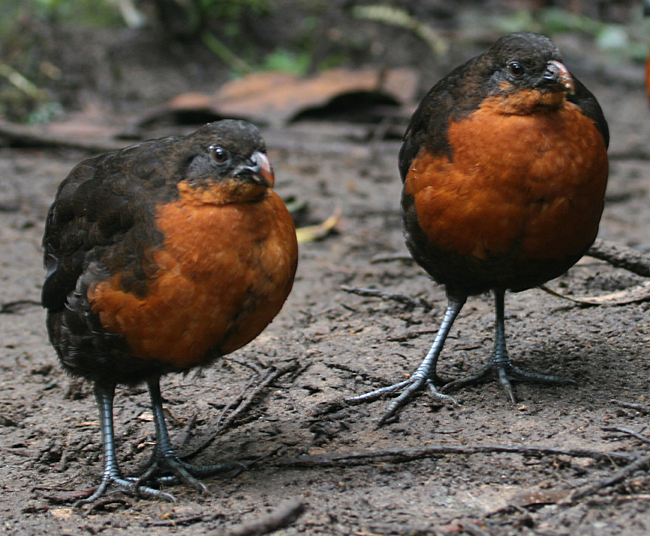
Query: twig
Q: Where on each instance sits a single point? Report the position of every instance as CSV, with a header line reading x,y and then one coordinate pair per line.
x,y
283,516
379,132
402,19
391,257
631,405
627,431
184,434
216,424
474,529
21,82
400,298
189,520
363,374
618,476
404,455
64,496
225,54
637,293
17,306
636,153
255,368
243,404
413,335
18,452
621,256
133,18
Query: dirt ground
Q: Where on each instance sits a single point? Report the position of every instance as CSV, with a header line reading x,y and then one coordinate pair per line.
x,y
343,344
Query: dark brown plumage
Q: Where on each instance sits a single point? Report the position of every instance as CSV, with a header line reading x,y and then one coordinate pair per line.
x,y
160,258
504,165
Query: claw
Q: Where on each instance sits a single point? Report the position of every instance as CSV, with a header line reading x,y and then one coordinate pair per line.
x,y
165,459
377,393
417,384
165,467
439,395
131,486
425,375
505,372
171,470
500,364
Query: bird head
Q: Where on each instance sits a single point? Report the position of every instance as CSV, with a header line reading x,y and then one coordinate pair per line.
x,y
525,70
226,162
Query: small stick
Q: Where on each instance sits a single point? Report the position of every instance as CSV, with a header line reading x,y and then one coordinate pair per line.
x,y
21,82
189,520
363,374
401,298
631,405
283,516
184,434
226,55
474,529
252,366
17,306
621,256
414,335
244,403
404,455
391,257
627,431
638,465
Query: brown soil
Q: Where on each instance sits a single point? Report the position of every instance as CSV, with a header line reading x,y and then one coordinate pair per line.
x,y
345,345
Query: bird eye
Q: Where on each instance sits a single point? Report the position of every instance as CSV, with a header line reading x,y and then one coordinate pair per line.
x,y
516,69
219,154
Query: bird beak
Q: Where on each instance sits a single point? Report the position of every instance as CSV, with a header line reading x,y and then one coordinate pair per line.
x,y
258,171
557,72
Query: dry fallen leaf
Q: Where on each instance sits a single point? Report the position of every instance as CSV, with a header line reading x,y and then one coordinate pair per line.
x,y
86,423
532,496
276,98
633,294
146,416
62,513
314,232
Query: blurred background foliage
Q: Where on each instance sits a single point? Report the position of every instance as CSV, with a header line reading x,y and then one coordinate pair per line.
x,y
56,54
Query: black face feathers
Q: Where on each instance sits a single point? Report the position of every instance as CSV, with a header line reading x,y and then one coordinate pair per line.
x,y
523,61
240,138
528,47
219,150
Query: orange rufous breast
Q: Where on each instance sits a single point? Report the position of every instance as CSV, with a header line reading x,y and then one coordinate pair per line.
x,y
223,273
533,182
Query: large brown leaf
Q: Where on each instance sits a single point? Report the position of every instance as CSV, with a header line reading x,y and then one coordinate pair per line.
x,y
276,98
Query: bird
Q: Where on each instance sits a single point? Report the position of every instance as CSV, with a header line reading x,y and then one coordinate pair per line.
x,y
504,168
163,257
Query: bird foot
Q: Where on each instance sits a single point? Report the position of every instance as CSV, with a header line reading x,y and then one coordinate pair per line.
x,y
504,372
128,485
163,471
171,470
410,388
